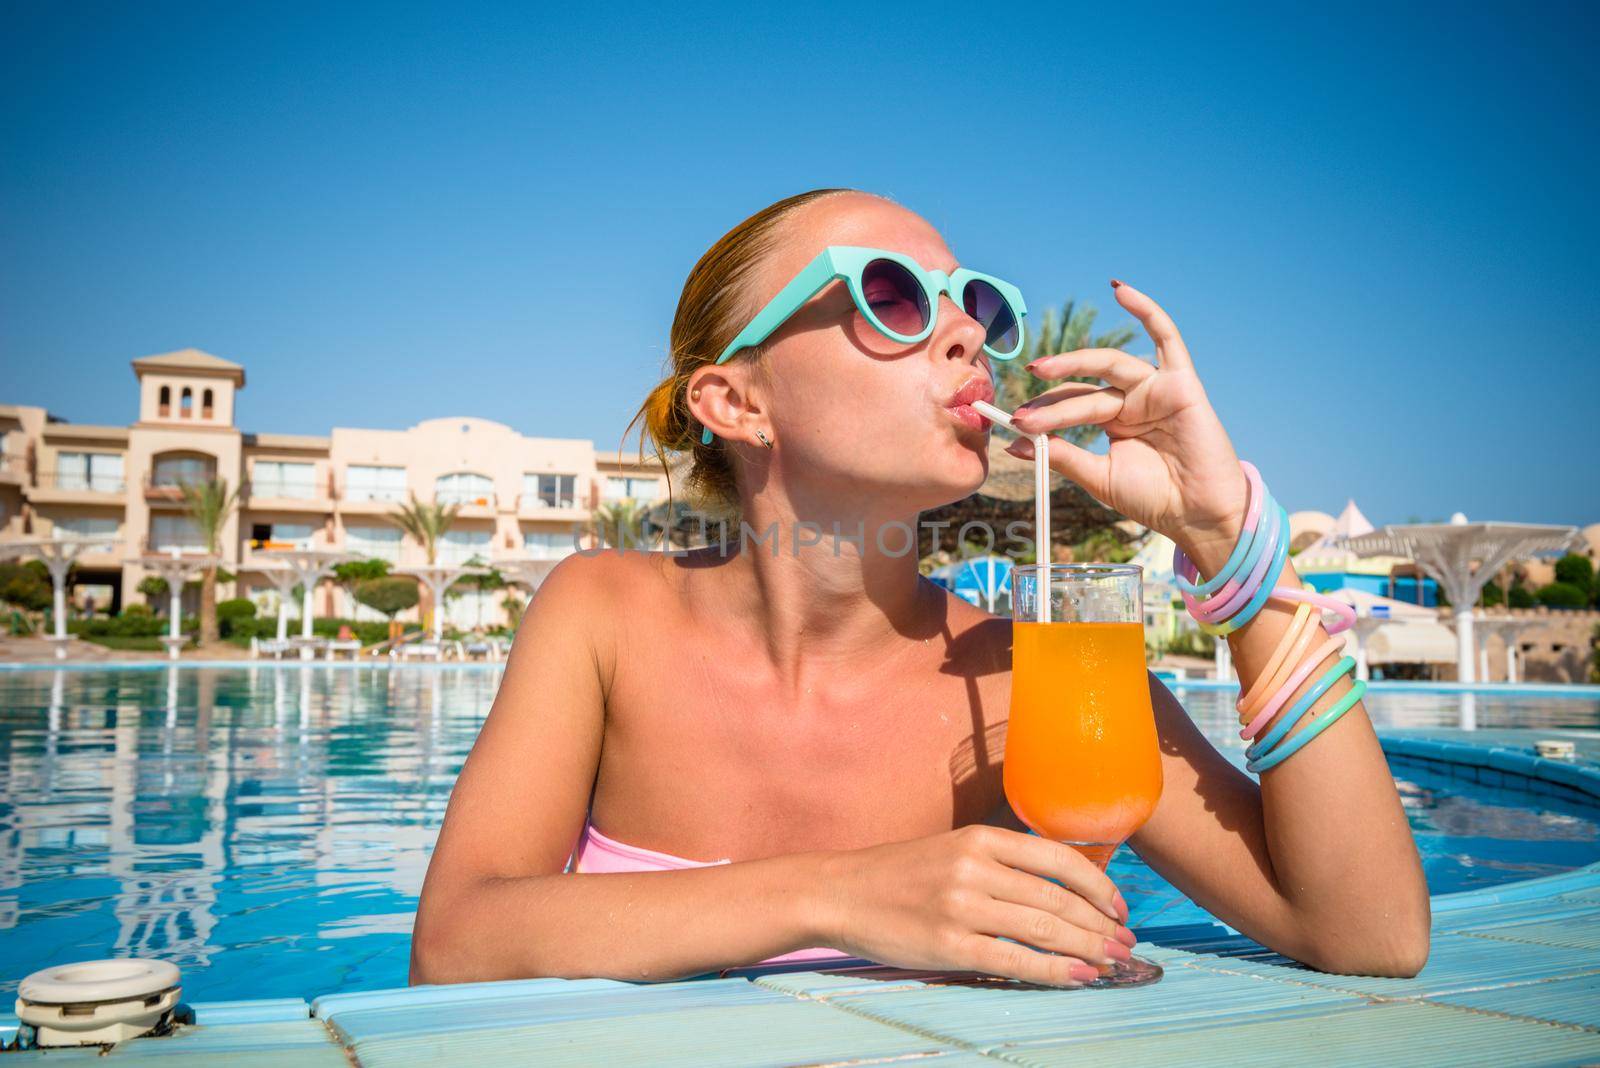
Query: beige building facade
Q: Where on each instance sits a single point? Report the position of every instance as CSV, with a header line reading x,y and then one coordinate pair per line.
x,y
519,495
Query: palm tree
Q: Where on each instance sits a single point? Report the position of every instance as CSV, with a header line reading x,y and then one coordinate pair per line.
x,y
208,505
620,524
1070,328
428,523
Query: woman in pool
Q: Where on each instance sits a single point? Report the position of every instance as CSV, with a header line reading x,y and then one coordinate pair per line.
x,y
708,760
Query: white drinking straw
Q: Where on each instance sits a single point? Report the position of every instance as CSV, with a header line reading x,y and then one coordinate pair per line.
x,y
1041,502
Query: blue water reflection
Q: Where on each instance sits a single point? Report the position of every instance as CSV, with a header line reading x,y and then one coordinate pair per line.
x,y
267,829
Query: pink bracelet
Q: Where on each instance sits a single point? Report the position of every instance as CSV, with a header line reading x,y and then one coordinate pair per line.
x,y
1332,645
1347,612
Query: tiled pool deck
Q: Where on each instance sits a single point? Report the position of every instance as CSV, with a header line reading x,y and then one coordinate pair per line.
x,y
1513,978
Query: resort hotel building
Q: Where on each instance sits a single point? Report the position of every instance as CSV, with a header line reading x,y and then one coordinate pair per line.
x,y
518,495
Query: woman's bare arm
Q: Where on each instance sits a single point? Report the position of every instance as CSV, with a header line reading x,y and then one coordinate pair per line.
x,y
1317,861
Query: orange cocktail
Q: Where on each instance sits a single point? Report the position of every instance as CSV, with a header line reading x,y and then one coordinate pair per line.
x,y
1082,763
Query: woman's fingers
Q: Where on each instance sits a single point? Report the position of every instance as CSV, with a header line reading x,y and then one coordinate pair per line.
x,y
1042,895
1075,463
983,953
1171,354
1046,930
1052,860
1074,404
1121,369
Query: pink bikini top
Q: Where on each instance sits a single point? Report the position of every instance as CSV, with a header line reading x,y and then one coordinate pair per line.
x,y
595,852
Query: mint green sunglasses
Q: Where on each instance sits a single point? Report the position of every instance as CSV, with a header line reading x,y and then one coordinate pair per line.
x,y
897,296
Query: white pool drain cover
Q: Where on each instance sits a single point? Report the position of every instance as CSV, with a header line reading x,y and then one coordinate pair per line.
x,y
97,1001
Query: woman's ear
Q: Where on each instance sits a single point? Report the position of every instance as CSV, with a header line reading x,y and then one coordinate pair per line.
x,y
722,399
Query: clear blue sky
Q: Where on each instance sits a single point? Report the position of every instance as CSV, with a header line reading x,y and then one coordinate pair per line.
x,y
1379,222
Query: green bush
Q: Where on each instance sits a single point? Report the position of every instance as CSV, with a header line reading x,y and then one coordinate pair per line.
x,y
387,595
136,609
236,608
26,585
1575,570
123,626
1521,597
1562,595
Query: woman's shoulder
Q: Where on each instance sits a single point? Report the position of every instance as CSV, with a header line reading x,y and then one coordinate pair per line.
x,y
977,640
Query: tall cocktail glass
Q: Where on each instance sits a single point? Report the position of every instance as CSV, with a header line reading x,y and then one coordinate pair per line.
x,y
1082,764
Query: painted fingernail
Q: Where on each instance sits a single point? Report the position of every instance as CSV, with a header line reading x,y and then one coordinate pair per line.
x,y
1083,973
1118,951
1126,937
1122,906
1115,283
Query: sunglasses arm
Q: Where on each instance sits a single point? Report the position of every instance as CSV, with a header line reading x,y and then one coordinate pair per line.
x,y
805,285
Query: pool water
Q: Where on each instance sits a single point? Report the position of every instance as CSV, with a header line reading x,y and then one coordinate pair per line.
x,y
267,829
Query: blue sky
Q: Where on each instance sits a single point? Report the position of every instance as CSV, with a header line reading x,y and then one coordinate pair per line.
x,y
1377,230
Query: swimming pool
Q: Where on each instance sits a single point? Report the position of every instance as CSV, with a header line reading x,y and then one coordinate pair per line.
x,y
267,829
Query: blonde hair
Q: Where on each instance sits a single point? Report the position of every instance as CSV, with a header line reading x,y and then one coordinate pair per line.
x,y
714,306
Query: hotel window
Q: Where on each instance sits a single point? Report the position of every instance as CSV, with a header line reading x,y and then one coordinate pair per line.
x,y
205,405
280,536
164,406
186,403
463,487
374,543
98,471
275,478
459,546
368,483
169,532
83,526
550,491
548,544
176,470
639,489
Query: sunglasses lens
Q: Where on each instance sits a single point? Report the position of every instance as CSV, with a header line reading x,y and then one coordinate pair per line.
x,y
895,297
984,303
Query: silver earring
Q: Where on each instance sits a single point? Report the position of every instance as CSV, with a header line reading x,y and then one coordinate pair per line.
x,y
763,438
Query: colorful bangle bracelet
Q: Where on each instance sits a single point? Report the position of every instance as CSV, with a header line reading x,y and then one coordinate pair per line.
x,y
1298,638
1280,553
1220,608
1316,727
1290,685
1237,590
1345,612
1286,723
1252,516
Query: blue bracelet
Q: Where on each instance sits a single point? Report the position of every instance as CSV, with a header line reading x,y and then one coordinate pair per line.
x,y
1280,553
1322,722
1287,721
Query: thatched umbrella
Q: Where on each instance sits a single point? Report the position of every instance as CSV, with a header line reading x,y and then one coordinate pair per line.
x,y
1006,497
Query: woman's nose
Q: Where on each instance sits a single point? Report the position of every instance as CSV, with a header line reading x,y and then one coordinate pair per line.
x,y
959,336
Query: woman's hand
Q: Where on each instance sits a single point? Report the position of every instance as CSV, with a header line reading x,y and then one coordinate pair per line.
x,y
1170,465
944,902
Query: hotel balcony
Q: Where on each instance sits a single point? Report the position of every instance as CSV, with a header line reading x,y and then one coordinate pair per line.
x,y
289,495
368,501
163,491
75,487
470,505
548,507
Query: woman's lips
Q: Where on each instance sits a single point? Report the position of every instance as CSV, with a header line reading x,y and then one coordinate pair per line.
x,y
968,416
960,406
